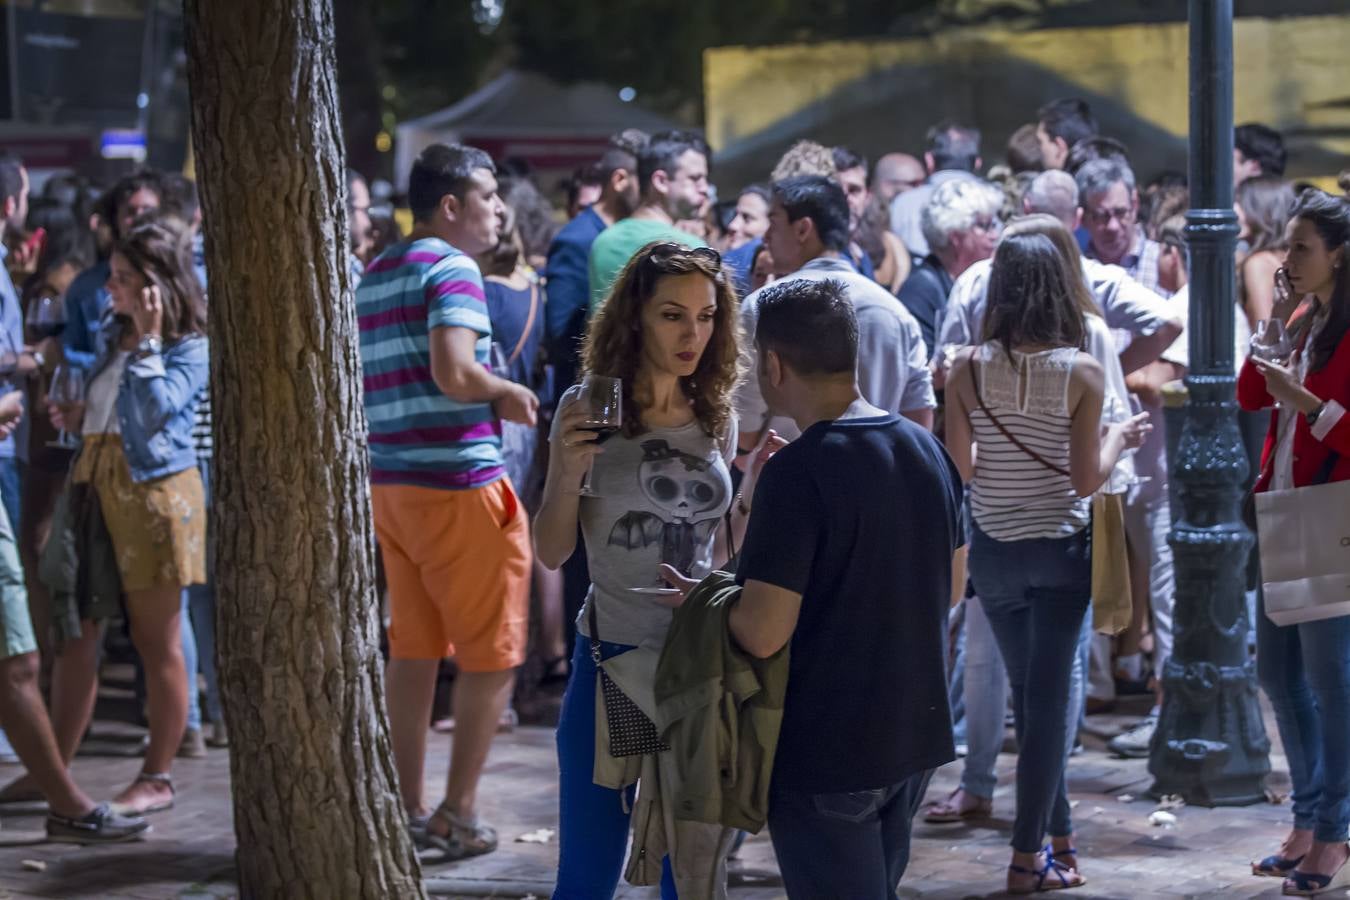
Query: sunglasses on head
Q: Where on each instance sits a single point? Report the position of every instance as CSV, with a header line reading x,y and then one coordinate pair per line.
x,y
663,253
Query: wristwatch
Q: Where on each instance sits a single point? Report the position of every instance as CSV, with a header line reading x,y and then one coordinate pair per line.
x,y
150,344
1312,416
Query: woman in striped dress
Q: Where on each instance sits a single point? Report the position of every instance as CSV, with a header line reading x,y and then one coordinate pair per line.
x,y
1031,399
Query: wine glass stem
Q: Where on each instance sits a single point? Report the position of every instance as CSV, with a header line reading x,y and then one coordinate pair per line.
x,y
586,480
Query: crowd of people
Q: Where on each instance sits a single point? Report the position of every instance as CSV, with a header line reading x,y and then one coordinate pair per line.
x,y
791,491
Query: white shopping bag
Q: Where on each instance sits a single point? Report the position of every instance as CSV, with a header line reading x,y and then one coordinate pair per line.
x,y
1304,538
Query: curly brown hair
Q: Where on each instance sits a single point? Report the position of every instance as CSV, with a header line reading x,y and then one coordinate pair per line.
x,y
613,344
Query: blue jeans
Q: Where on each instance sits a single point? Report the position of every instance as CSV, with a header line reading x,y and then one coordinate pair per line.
x,y
1035,593
986,702
1305,671
194,711
593,829
853,844
202,602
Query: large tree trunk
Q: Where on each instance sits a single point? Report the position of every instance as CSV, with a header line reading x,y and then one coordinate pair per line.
x,y
315,807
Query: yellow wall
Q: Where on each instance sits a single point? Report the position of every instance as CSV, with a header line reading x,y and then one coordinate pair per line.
x,y
1291,73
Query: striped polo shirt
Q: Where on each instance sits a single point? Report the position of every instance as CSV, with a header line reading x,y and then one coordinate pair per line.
x,y
419,436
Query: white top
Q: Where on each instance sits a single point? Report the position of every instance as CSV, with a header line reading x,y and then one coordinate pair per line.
x,y
1126,304
100,409
1013,496
893,372
1282,475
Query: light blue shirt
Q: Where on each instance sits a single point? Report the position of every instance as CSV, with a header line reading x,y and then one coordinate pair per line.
x,y
907,209
11,335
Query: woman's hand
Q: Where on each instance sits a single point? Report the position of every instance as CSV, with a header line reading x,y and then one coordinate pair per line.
x,y
1133,431
1283,384
573,446
679,582
148,311
1285,300
69,420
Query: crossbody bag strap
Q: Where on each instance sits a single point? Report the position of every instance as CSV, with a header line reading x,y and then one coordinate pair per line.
x,y
529,323
595,632
975,380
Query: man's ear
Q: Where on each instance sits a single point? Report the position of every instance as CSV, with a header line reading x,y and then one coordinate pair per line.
x,y
450,207
618,180
802,229
773,367
661,181
929,163
1077,219
9,207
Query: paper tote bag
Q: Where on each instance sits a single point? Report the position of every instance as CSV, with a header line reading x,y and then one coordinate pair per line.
x,y
1304,539
1112,602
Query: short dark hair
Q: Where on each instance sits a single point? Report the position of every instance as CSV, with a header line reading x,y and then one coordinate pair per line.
x,y
124,189
810,324
1069,119
1263,144
662,154
443,169
820,198
759,191
582,176
180,196
11,176
1024,151
954,146
1097,146
845,159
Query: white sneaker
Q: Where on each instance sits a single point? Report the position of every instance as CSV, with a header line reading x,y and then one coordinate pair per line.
x,y
1134,743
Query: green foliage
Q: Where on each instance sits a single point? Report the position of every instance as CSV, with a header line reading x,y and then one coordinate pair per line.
x,y
433,53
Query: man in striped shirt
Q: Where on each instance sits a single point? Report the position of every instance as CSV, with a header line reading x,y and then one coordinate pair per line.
x,y
452,533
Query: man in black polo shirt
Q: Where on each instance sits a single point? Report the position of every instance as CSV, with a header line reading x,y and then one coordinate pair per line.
x,y
848,555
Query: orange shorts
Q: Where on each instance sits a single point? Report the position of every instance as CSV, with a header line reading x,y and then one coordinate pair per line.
x,y
458,565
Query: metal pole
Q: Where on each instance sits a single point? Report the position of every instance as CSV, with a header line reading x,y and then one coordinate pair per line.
x,y
1211,745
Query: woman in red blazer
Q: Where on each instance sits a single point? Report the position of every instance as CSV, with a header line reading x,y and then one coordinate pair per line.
x,y
1305,669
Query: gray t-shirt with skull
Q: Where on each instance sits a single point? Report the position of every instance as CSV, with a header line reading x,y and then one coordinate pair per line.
x,y
663,496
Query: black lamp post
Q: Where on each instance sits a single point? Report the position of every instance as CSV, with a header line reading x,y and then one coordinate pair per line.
x,y
1211,745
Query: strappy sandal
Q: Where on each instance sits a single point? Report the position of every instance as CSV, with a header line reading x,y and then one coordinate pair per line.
x,y
1275,866
1057,855
465,838
123,809
1310,884
1051,866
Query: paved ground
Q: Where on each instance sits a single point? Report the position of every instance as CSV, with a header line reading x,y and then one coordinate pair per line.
x,y
190,853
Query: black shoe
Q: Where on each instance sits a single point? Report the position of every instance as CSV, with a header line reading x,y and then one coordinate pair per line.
x,y
100,826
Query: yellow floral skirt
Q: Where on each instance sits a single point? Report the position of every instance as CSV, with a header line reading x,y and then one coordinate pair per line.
x,y
158,527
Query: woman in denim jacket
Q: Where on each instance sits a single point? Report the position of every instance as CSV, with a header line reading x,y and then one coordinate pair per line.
x,y
139,458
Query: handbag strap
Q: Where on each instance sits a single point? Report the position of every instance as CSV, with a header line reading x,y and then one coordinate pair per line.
x,y
975,381
595,632
529,324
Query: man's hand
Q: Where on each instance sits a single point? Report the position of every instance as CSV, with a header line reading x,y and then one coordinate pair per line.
x,y
518,404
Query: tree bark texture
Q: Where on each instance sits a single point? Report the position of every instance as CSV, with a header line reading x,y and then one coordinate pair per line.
x,y
316,811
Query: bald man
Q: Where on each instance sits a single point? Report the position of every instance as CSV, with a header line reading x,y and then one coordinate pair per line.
x,y
894,174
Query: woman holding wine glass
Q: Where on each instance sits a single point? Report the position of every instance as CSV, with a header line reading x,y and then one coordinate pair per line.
x,y
1300,365
650,432
138,457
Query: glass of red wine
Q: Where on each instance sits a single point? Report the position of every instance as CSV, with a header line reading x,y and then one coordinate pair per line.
x,y
66,392
602,398
47,316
